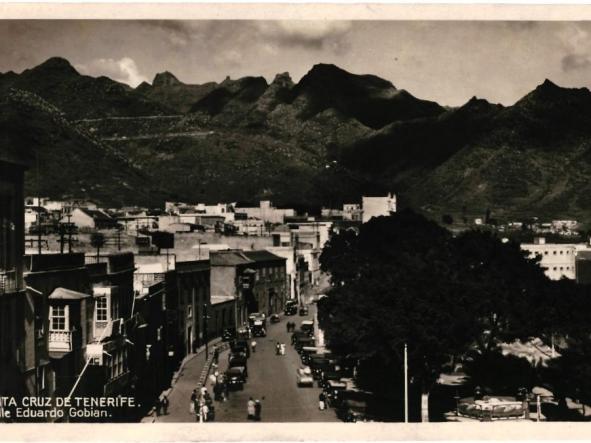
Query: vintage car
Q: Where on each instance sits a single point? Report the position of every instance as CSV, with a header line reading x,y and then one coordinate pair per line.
x,y
238,359
291,307
304,310
258,329
229,334
305,342
319,364
304,377
306,352
236,377
307,326
333,391
255,317
274,318
240,346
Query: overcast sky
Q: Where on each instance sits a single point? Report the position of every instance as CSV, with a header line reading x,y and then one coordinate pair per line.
x,y
448,62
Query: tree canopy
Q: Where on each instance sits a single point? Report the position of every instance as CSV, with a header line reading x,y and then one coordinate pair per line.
x,y
405,279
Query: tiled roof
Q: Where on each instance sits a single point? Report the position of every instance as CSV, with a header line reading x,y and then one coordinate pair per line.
x,y
228,258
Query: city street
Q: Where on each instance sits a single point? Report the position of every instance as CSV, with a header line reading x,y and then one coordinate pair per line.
x,y
272,379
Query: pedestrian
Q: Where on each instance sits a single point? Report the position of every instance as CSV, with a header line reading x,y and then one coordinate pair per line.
x,y
253,346
216,355
226,390
212,379
217,393
204,413
277,348
288,324
322,401
257,410
282,348
165,404
250,408
203,391
158,406
193,400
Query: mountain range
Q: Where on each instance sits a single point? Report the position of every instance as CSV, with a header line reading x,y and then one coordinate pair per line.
x,y
323,141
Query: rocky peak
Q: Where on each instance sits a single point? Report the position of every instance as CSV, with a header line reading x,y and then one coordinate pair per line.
x,y
164,79
56,65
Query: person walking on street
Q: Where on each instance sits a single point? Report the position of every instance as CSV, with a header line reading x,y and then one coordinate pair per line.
x,y
253,346
193,400
322,401
216,355
158,406
250,408
165,404
257,410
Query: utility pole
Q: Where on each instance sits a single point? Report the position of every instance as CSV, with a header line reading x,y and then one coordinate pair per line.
x,y
205,337
69,233
405,384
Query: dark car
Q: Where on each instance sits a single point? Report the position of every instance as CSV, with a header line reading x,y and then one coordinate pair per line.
x,y
296,336
319,364
303,311
258,329
229,334
238,360
333,392
274,318
236,377
305,342
307,326
240,346
291,307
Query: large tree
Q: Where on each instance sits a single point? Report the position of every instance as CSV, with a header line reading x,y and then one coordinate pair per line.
x,y
404,279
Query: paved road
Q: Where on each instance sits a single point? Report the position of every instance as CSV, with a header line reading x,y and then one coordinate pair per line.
x,y
272,379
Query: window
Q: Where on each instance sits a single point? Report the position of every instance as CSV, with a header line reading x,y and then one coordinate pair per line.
x,y
554,268
58,320
554,252
545,252
101,309
561,252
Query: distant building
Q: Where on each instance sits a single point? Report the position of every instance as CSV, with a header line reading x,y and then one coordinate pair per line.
x,y
90,219
266,212
353,212
583,267
557,259
378,206
270,289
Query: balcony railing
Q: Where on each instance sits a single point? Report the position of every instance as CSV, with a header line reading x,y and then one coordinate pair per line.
x,y
8,281
60,341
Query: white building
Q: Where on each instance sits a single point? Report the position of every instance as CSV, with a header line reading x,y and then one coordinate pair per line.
x,y
557,259
378,206
289,254
267,213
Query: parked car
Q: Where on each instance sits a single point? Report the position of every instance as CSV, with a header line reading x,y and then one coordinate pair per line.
x,y
333,392
303,311
305,342
291,307
236,377
305,353
240,346
229,334
307,326
319,364
274,318
304,377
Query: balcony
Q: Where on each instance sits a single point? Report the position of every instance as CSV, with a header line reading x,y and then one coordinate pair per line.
x,y
60,341
8,281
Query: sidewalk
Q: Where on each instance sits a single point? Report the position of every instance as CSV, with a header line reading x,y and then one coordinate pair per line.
x,y
183,383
